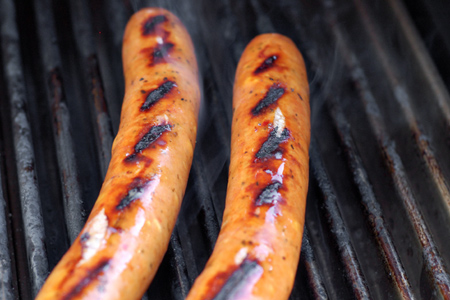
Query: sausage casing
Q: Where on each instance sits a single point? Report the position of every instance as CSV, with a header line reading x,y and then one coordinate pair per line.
x,y
258,248
127,233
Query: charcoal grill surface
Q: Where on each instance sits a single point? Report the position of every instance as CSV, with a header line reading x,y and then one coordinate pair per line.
x,y
378,212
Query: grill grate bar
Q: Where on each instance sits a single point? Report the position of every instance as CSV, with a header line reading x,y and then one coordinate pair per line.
x,y
434,263
171,280
211,217
110,19
80,76
6,289
404,99
23,147
371,206
81,22
307,258
56,97
337,225
185,253
433,260
221,64
179,263
423,59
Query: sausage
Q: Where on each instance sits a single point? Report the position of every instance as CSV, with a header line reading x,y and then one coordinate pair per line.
x,y
258,247
127,233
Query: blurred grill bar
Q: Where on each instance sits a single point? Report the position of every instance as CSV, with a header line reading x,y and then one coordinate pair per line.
x,y
6,277
56,97
403,98
379,203
33,225
316,284
433,260
85,42
337,226
371,206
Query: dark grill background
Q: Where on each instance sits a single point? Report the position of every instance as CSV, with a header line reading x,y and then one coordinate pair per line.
x,y
378,213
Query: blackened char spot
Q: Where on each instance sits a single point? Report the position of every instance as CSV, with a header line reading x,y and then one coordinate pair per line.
x,y
272,143
138,159
84,237
136,191
275,92
150,24
266,64
91,275
152,135
238,280
130,158
269,194
161,51
157,94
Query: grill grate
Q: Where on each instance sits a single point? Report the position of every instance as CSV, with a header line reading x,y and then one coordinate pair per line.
x,y
378,208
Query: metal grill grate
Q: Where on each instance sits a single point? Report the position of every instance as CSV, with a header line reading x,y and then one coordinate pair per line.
x,y
378,212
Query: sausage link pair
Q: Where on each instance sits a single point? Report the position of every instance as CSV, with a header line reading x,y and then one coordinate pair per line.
x,y
127,233
258,248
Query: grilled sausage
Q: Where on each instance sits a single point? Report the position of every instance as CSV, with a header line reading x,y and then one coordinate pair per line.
x,y
127,233
258,248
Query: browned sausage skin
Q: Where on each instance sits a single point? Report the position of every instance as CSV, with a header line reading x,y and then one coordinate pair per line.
x,y
258,248
123,242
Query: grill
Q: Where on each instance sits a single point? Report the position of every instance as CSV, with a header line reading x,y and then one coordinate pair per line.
x,y
378,212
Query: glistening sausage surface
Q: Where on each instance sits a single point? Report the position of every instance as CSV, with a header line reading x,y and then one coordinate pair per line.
x,y
123,242
258,248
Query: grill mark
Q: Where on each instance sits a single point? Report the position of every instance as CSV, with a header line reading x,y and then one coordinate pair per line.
x,y
92,275
152,135
133,159
150,25
238,280
268,63
275,92
157,94
272,143
161,51
269,194
137,188
84,238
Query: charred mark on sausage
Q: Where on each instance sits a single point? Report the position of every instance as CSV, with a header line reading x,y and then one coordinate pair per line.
x,y
157,94
150,25
272,143
132,195
275,92
136,191
152,135
131,158
135,159
84,237
161,51
269,194
238,280
268,63
101,267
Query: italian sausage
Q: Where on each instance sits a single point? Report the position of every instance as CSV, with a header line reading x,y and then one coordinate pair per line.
x,y
258,247
127,233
